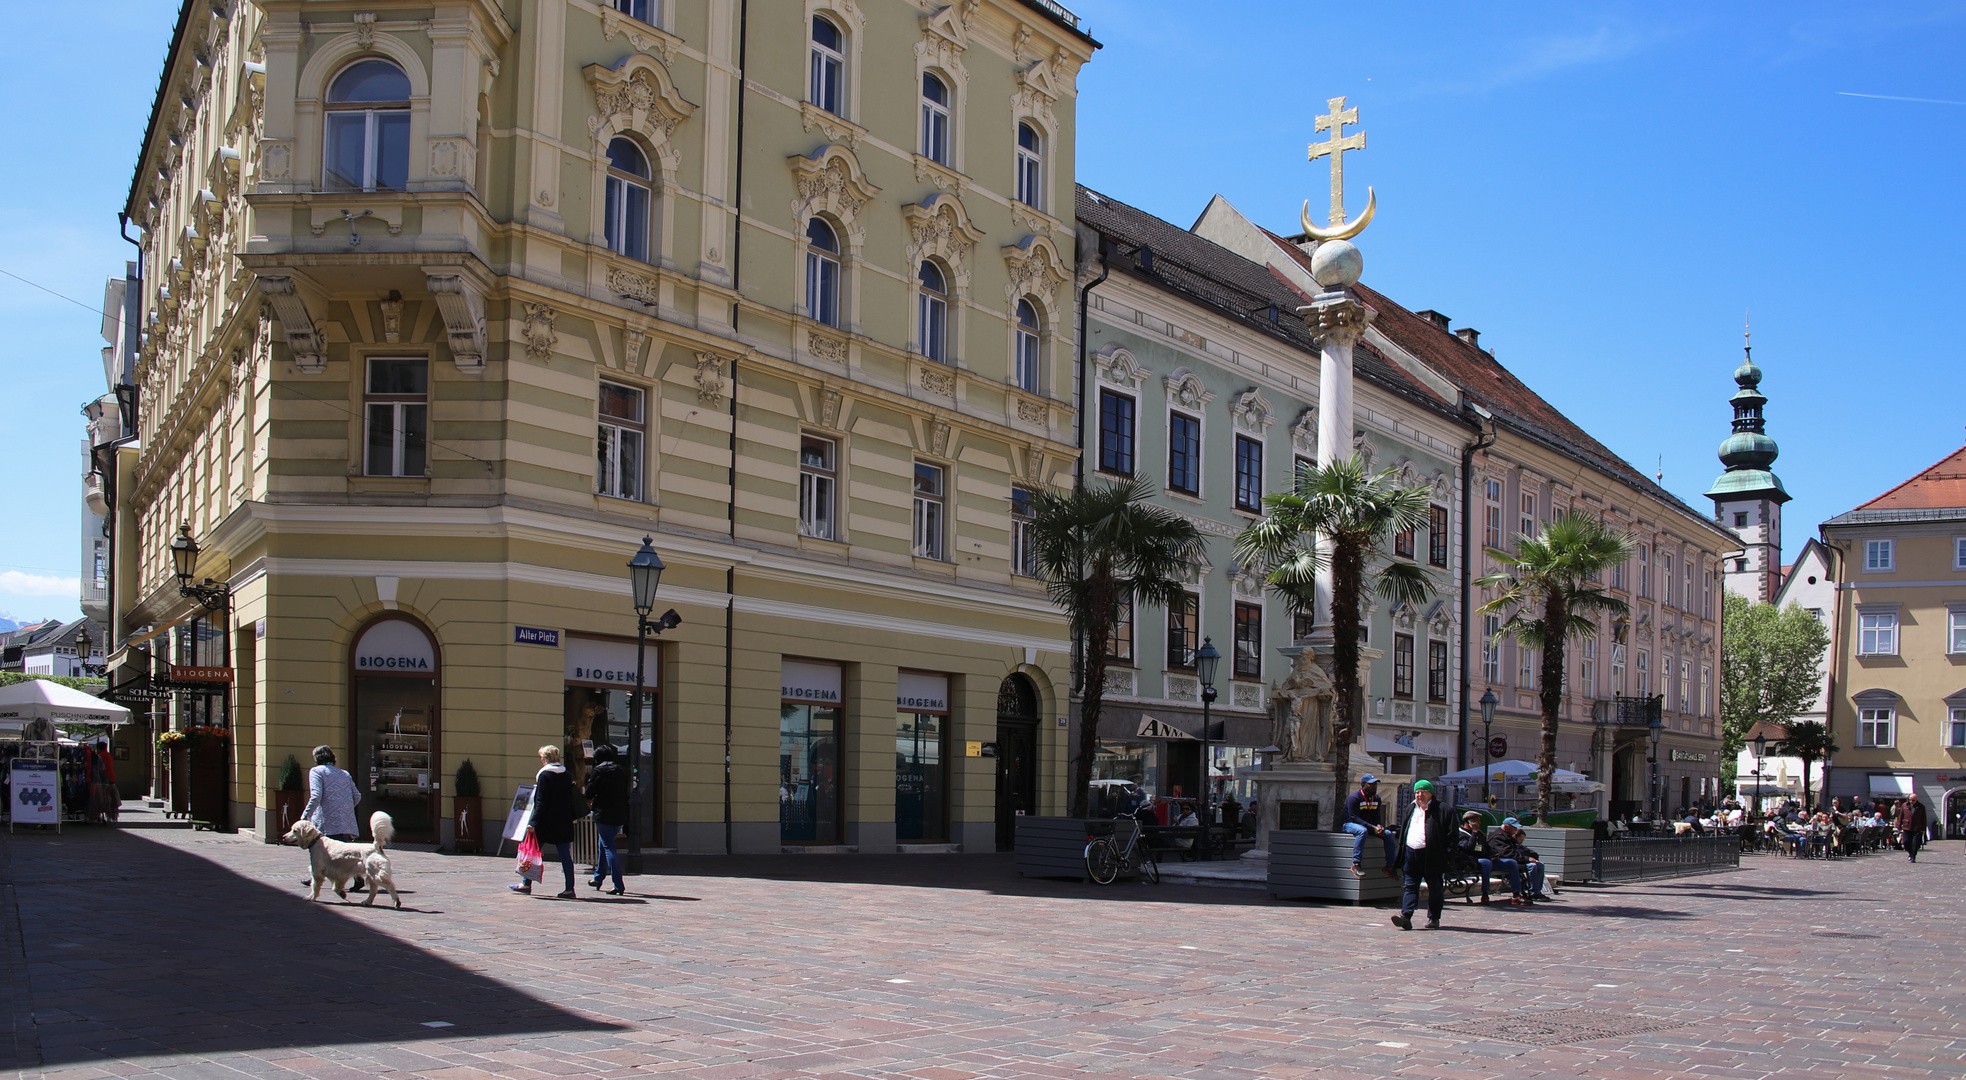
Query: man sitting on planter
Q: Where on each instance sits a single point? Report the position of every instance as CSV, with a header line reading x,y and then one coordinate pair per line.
x,y
1524,868
1363,815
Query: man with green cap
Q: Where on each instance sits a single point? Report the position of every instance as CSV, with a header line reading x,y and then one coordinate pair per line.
x,y
1426,839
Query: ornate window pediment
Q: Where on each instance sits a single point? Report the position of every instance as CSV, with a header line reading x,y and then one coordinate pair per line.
x,y
1252,412
1248,580
1303,434
1184,388
939,227
830,180
1117,367
1035,270
636,95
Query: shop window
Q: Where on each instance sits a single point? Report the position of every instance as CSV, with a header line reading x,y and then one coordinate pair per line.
x,y
1249,641
818,487
822,272
810,727
1436,671
1029,346
1183,453
1115,433
368,129
1403,666
619,443
398,413
828,66
935,119
929,525
1437,536
395,730
921,755
597,704
626,216
1249,474
1183,631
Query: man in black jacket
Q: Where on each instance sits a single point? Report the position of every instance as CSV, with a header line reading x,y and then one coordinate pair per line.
x,y
1426,837
1524,866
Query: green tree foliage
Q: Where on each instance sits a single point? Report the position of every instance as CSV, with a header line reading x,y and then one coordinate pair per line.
x,y
467,780
291,778
1094,547
1811,741
9,678
1769,668
1547,590
1355,514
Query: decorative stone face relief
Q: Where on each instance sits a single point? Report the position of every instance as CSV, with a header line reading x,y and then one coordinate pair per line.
x,y
1251,412
1184,388
538,332
709,378
1117,367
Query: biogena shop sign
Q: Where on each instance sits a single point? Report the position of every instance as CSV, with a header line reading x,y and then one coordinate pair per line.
x,y
598,662
395,647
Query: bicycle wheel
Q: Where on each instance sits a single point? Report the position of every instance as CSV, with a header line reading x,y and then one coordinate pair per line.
x,y
1150,868
1102,863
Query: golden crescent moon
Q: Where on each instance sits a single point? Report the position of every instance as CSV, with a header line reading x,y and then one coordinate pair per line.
x,y
1347,230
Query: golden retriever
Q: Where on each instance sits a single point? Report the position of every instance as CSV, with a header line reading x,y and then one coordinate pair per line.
x,y
340,863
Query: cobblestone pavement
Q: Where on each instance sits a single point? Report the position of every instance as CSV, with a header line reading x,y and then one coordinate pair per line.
x,y
165,953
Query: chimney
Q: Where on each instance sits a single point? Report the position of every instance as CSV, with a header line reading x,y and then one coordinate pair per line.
x,y
1470,335
1435,318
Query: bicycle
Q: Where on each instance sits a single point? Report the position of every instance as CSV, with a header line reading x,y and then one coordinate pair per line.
x,y
1106,859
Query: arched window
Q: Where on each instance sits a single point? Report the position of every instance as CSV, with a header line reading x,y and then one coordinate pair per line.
x,y
934,312
822,272
368,129
935,119
828,63
1025,364
628,193
1030,166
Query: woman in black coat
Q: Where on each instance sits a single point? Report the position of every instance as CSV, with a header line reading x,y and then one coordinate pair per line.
x,y
607,793
553,813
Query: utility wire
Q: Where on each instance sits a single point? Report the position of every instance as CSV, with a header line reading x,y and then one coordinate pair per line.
x,y
489,469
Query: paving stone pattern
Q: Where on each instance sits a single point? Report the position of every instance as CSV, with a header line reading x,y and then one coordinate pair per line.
x,y
152,952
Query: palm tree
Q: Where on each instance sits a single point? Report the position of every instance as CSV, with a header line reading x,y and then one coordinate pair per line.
x,y
1355,513
1548,590
1811,741
1096,548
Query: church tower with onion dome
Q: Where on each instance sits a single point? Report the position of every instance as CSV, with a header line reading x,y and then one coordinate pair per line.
x,y
1748,497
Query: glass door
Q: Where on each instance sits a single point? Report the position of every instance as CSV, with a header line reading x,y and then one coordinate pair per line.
x,y
809,774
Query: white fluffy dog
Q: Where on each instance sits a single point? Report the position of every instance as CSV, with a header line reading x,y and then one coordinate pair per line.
x,y
340,863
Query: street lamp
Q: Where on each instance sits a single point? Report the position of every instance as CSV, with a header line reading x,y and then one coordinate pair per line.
x,y
212,596
83,646
184,555
1206,661
644,575
1760,749
1658,727
1487,741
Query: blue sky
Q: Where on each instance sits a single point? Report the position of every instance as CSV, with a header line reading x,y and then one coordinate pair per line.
x,y
1601,189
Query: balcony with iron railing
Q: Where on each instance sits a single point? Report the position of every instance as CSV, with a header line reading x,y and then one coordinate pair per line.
x,y
1057,11
1634,712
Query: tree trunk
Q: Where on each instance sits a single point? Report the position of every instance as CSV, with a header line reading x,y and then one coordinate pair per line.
x,y
1347,567
1092,695
1806,763
1556,619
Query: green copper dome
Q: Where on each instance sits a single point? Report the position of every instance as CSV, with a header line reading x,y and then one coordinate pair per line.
x,y
1748,452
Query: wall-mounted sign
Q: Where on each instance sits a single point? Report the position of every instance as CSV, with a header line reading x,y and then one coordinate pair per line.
x,y
180,673
397,647
601,662
1498,747
532,635
973,748
259,629
1151,728
918,693
1687,755
805,681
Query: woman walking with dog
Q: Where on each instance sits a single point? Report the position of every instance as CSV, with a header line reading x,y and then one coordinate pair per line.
x,y
553,814
331,799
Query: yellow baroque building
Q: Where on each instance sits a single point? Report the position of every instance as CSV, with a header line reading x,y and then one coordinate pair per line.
x,y
447,306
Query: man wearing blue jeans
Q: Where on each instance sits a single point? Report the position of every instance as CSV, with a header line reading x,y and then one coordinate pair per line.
x,y
1363,816
1524,868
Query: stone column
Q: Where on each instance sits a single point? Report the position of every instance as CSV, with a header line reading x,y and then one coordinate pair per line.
x,y
1337,317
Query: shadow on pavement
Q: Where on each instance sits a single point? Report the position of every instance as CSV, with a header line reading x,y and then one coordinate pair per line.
x,y
131,946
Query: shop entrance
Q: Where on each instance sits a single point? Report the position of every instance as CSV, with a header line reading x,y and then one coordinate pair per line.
x,y
394,730
921,756
1956,815
600,690
809,732
1017,756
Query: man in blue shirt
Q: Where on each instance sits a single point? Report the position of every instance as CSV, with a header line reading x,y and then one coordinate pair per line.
x,y
1363,817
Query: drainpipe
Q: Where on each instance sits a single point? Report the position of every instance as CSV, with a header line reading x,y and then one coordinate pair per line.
x,y
737,285
1483,440
1085,332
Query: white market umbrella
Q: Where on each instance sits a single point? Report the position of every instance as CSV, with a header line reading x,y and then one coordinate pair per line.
x,y
45,699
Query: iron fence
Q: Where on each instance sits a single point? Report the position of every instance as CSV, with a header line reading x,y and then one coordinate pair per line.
x,y
1637,858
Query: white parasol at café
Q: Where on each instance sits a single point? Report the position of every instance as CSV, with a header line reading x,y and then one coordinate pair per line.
x,y
45,699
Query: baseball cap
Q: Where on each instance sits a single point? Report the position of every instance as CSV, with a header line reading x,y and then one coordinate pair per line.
x,y
1368,778
1424,785
1512,821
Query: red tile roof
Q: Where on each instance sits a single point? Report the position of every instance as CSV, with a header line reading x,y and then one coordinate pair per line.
x,y
1943,486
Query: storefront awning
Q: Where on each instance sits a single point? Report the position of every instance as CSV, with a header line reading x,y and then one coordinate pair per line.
x,y
1894,786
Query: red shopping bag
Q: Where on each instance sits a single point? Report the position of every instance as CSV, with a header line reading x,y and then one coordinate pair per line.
x,y
532,861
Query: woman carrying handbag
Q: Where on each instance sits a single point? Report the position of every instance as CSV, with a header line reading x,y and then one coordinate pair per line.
x,y
552,816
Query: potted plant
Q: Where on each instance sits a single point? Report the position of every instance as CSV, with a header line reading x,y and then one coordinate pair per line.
x,y
290,798
468,818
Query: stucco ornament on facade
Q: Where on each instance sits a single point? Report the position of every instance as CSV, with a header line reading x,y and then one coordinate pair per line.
x,y
830,181
640,36
829,409
1303,434
1035,270
462,308
938,382
709,378
1252,412
1184,388
538,332
630,285
636,95
303,341
1117,367
939,227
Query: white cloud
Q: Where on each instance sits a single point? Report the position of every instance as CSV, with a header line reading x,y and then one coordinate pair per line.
x,y
21,584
